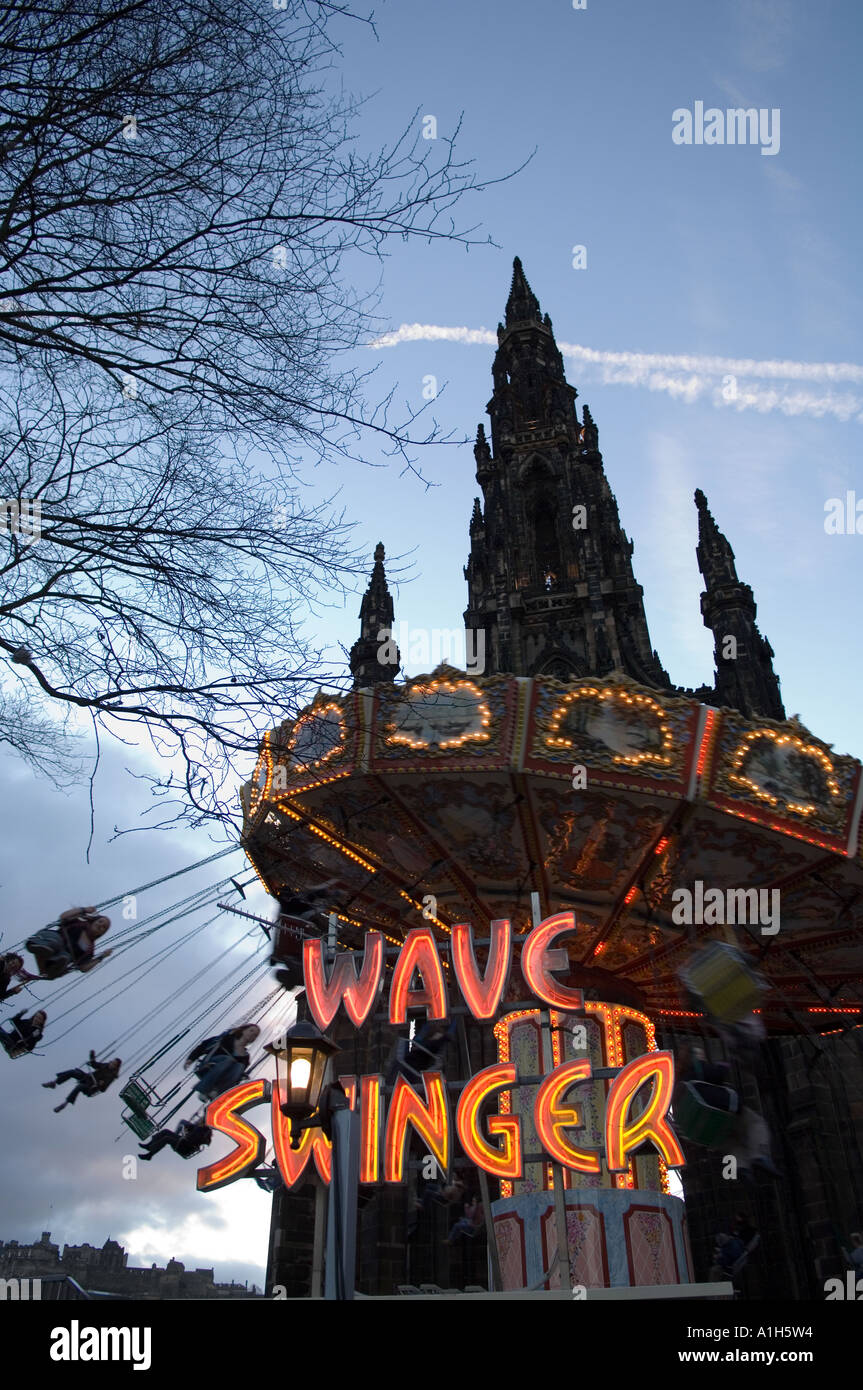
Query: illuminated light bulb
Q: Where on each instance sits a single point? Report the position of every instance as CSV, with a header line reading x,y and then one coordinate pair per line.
x,y
301,1070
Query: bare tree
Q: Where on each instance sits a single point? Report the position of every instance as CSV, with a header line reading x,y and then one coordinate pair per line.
x,y
42,741
181,204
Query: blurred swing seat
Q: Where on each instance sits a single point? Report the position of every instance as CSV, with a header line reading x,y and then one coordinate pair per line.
x,y
720,977
15,1047
700,1122
138,1095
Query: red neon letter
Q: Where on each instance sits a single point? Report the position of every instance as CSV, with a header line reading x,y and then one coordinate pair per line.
x,y
292,1162
419,952
223,1114
343,987
482,994
503,1162
370,1122
538,960
429,1119
551,1118
370,1137
621,1138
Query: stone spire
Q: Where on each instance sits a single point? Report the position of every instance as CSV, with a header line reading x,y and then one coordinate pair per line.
x,y
551,585
589,437
715,556
745,679
522,305
549,576
375,657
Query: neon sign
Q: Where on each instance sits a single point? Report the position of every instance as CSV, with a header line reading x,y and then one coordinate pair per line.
x,y
504,1162
553,1119
492,1141
430,1119
429,1116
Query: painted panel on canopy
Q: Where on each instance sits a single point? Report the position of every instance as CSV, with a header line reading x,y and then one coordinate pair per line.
x,y
476,821
321,743
325,739
474,716
783,775
593,847
624,734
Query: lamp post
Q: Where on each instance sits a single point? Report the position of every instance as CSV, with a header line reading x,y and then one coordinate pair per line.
x,y
303,1098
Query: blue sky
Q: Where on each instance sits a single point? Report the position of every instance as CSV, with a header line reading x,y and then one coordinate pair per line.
x,y
700,252
694,253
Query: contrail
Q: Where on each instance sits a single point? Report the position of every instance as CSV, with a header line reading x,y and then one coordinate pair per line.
x,y
732,381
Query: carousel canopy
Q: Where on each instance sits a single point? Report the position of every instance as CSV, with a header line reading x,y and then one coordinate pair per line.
x,y
658,821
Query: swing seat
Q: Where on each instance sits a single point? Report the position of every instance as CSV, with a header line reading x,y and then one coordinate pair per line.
x,y
136,1096
727,986
193,1153
141,1125
699,1122
14,1050
53,947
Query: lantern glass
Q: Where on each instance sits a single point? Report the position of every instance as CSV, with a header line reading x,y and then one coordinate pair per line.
x,y
320,1062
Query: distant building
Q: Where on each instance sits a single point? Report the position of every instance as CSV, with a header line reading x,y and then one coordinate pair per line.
x,y
106,1270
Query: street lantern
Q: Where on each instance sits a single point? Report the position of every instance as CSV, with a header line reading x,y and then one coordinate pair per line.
x,y
304,1054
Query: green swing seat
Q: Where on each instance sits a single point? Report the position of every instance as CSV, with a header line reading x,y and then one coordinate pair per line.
x,y
139,1124
136,1097
699,1122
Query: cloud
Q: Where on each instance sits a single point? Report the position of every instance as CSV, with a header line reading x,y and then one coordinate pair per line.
x,y
767,31
730,382
229,1233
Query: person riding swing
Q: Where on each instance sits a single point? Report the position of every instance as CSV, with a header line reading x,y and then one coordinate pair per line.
x,y
187,1140
23,1035
92,1083
68,946
11,965
296,911
221,1062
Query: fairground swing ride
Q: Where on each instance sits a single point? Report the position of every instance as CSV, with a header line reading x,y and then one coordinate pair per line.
x,y
453,799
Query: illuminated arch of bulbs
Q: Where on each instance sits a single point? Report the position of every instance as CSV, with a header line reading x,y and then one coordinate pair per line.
x,y
310,716
435,687
625,697
806,750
